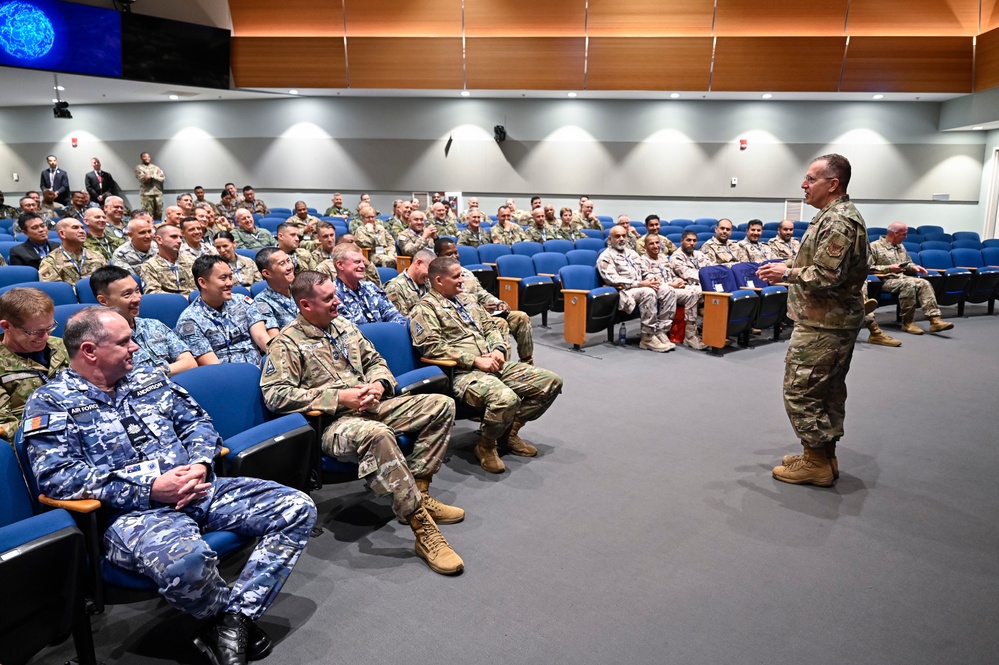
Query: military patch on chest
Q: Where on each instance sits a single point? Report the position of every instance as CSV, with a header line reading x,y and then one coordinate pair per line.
x,y
20,376
77,410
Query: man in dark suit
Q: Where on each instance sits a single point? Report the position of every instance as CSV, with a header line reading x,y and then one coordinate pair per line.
x,y
38,245
56,179
100,184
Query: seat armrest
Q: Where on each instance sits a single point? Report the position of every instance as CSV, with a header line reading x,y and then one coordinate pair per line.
x,y
72,505
444,362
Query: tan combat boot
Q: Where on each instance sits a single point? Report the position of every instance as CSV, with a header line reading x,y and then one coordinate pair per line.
x,y
878,336
441,512
939,325
485,450
652,342
788,460
691,339
812,468
910,327
431,546
516,444
870,305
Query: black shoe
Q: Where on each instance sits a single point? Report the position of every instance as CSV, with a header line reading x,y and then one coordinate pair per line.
x,y
258,644
224,640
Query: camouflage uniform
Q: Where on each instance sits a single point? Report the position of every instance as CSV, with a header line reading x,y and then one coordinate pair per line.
x,y
461,330
226,333
104,246
229,212
447,227
150,193
752,252
277,309
686,297
689,266
667,246
506,236
542,235
73,212
61,266
161,276
719,254
395,226
21,376
592,222
333,211
301,224
824,301
158,345
258,206
908,287
621,269
302,260
244,271
307,368
367,304
131,259
327,267
258,239
473,238
572,233
410,243
784,250
205,248
515,322
80,442
9,212
381,243
404,293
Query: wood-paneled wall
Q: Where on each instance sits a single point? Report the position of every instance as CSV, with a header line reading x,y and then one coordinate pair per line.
x,y
738,45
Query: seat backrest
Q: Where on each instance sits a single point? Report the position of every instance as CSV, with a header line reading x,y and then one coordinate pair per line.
x,y
579,278
582,257
84,293
549,263
592,233
771,226
990,255
938,237
559,245
705,235
15,500
745,275
62,314
706,221
928,228
393,343
967,258
10,275
229,392
60,292
489,253
991,242
242,290
468,255
257,287
718,278
911,247
527,248
606,221
5,247
249,253
164,307
515,265
966,244
270,223
934,244
385,274
966,235
698,228
681,221
594,244
935,258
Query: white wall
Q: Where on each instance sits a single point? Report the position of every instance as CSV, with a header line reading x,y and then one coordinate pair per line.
x,y
675,158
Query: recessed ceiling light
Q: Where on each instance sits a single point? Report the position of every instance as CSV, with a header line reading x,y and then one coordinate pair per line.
x,y
465,93
767,95
674,95
293,92
879,97
55,101
572,94
174,97
58,87
978,127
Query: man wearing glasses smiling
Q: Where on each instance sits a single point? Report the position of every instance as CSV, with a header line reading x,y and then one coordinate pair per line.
x,y
29,357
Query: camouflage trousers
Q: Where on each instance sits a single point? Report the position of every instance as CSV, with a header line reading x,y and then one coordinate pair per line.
x,y
688,297
517,392
166,545
815,382
153,204
383,260
518,324
369,439
909,290
656,306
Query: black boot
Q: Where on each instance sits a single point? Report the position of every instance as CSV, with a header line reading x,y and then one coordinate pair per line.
x,y
258,643
224,640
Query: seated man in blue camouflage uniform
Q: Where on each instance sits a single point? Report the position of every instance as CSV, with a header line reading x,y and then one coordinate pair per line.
x,y
141,445
275,303
217,326
159,346
360,300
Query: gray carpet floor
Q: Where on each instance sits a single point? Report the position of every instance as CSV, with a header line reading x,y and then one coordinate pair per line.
x,y
650,530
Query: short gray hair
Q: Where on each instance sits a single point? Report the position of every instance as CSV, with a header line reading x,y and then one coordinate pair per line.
x,y
86,326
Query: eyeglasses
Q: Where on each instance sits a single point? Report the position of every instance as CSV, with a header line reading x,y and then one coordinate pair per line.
x,y
811,181
39,333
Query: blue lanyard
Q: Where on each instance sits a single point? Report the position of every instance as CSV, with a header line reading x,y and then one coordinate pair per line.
x,y
236,270
465,315
76,264
222,324
344,353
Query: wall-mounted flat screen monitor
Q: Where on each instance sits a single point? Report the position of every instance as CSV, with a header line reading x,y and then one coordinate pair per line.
x,y
162,51
60,37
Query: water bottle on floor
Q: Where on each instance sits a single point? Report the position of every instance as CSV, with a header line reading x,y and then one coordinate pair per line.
x,y
622,335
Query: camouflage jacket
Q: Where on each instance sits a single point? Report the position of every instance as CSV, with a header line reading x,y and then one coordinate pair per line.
x,y
277,309
404,293
20,377
257,239
573,232
474,238
131,259
784,250
454,329
410,243
302,260
257,206
542,235
395,226
160,276
158,345
506,236
244,271
830,269
203,249
748,252
689,266
153,187
307,367
81,440
471,286
368,304
884,254
376,238
620,269
61,266
225,332
719,254
660,268
664,242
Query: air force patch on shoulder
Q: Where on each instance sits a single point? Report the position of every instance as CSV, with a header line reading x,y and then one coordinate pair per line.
x,y
418,327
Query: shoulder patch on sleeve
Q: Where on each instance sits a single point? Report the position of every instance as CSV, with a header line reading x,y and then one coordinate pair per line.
x,y
188,327
269,369
45,424
417,327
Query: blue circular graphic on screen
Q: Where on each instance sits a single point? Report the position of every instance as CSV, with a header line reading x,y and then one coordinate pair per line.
x,y
25,31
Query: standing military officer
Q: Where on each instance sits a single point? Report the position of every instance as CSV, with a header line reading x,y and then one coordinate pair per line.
x,y
824,300
322,362
449,325
140,444
151,179
29,357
